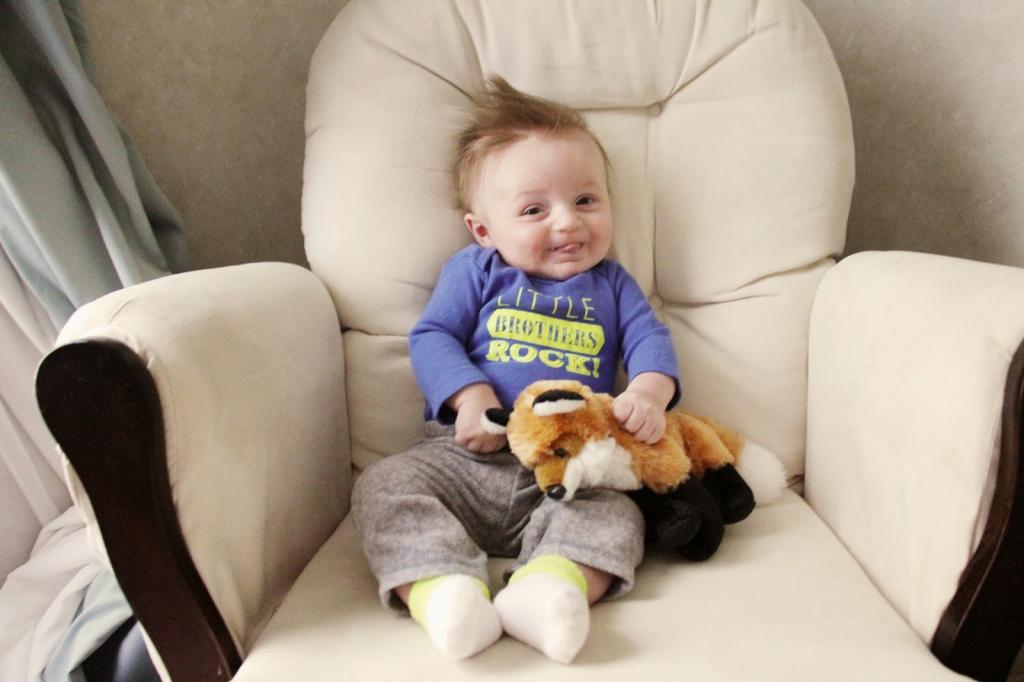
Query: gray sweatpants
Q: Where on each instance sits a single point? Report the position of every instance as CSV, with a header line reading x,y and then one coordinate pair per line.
x,y
438,509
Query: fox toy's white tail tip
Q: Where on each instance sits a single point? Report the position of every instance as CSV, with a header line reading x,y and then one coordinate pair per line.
x,y
762,470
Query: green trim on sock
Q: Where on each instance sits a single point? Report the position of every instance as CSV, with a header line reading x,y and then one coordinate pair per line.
x,y
555,565
419,595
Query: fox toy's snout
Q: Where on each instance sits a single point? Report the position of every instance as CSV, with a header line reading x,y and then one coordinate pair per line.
x,y
578,451
556,492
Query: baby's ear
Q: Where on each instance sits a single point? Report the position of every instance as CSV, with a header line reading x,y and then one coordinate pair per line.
x,y
478,229
495,420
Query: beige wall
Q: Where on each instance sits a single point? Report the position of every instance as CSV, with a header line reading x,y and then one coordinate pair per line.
x,y
213,94
937,95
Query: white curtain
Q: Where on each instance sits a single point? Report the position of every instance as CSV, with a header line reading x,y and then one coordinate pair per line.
x,y
47,564
79,216
31,484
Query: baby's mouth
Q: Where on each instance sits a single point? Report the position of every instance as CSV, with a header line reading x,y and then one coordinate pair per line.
x,y
566,249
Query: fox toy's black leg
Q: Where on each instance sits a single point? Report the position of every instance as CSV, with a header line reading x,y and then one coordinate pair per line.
x,y
686,520
670,523
733,495
712,528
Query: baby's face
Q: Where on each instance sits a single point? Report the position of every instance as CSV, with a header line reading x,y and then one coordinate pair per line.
x,y
543,203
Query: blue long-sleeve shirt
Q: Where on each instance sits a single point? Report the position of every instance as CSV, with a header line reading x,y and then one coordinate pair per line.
x,y
489,322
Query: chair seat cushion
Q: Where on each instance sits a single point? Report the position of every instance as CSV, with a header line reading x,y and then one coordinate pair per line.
x,y
781,600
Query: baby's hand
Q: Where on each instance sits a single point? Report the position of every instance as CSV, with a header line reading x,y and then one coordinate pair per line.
x,y
470,403
640,415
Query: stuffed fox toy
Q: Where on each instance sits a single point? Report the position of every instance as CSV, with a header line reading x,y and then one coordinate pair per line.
x,y
698,476
569,437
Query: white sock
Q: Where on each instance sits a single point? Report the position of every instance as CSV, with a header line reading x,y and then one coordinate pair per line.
x,y
547,611
457,613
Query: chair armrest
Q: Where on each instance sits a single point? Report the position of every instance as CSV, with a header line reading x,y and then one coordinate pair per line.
x,y
204,417
914,405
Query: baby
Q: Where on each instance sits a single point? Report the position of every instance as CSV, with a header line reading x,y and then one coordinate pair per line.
x,y
535,297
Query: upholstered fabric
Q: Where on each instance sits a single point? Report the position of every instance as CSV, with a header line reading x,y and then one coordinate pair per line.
x,y
260,476
909,359
805,610
732,166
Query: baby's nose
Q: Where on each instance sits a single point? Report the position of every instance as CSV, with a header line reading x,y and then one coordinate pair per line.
x,y
567,220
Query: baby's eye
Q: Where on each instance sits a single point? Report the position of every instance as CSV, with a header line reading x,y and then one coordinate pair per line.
x,y
585,201
532,210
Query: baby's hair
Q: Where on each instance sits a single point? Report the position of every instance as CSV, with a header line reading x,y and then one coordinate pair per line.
x,y
503,115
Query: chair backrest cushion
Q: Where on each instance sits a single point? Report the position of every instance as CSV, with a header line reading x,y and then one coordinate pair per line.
x,y
729,135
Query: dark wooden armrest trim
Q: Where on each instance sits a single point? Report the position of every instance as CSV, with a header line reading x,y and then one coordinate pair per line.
x,y
982,629
102,405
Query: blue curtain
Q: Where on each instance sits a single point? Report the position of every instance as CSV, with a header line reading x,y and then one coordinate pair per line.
x,y
80,215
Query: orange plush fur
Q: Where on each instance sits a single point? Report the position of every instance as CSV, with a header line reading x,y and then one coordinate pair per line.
x,y
547,443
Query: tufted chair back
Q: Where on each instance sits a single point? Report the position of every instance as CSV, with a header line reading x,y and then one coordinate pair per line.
x,y
729,136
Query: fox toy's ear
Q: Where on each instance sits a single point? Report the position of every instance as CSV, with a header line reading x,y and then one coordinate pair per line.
x,y
495,420
557,402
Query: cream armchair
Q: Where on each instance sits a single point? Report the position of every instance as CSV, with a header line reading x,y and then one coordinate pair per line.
x,y
213,420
